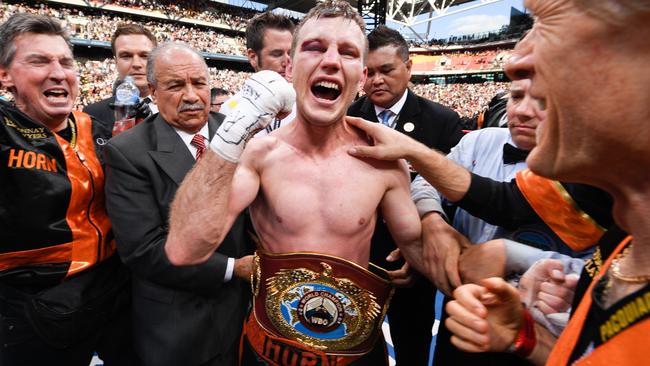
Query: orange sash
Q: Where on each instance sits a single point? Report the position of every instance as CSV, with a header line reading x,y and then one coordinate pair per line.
x,y
626,348
559,211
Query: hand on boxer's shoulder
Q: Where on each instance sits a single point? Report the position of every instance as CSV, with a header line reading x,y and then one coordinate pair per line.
x,y
262,97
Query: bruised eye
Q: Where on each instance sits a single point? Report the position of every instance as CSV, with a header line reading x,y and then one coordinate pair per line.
x,y
313,46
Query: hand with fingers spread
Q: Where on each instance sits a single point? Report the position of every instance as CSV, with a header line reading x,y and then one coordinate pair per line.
x,y
387,144
485,317
441,248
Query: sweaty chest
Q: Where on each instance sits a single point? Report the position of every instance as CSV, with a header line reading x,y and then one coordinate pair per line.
x,y
336,197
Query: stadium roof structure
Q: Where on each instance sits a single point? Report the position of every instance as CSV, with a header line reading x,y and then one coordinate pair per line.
x,y
423,6
406,13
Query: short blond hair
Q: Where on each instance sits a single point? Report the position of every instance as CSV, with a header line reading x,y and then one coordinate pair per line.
x,y
331,9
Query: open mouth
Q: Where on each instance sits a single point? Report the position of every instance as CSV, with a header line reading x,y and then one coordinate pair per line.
x,y
56,93
326,90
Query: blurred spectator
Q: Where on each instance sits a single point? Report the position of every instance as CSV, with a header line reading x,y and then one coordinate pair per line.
x,y
217,97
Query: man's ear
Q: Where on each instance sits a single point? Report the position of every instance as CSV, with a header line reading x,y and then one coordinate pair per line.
x,y
362,80
409,65
6,81
252,58
152,92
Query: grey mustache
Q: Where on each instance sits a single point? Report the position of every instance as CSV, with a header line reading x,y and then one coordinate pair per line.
x,y
185,106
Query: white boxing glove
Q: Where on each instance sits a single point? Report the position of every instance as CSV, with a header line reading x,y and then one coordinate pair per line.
x,y
262,97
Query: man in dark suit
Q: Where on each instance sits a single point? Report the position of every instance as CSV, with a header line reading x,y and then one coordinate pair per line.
x,y
388,100
131,45
185,315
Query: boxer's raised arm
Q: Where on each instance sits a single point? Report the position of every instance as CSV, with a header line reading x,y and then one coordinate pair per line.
x,y
219,187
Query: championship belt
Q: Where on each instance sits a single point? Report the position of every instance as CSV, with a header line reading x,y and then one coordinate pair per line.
x,y
324,302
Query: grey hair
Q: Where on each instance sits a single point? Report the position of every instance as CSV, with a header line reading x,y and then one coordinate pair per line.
x,y
616,12
22,23
164,48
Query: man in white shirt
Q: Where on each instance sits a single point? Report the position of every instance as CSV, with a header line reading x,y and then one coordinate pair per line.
x,y
189,315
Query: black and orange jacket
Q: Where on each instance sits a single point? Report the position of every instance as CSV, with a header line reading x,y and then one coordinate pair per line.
x,y
53,221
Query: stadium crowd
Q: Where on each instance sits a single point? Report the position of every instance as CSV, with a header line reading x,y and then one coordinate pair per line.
x,y
88,24
466,99
207,11
97,76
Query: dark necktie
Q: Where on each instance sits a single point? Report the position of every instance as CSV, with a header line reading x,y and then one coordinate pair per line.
x,y
199,142
513,155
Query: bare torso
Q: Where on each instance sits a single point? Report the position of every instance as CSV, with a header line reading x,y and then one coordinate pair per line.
x,y
317,199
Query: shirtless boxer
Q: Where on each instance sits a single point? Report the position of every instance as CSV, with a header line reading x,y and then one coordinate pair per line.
x,y
307,195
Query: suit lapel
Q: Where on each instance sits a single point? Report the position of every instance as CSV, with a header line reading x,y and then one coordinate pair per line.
x,y
409,117
213,125
368,111
170,153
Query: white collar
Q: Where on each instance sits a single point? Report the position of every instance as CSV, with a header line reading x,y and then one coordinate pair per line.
x,y
395,108
187,137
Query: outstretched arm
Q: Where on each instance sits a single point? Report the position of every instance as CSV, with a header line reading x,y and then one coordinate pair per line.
x,y
449,178
206,205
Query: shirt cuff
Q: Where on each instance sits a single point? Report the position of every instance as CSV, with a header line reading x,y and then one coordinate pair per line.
x,y
519,257
427,205
230,268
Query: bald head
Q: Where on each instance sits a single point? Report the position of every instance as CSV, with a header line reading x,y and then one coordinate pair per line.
x,y
168,51
179,84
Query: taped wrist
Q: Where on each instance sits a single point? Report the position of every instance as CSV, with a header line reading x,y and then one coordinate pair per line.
x,y
262,97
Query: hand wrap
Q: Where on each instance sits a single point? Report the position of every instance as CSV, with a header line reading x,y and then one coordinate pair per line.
x,y
262,97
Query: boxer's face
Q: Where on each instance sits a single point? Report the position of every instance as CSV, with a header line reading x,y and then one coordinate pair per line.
x,y
327,69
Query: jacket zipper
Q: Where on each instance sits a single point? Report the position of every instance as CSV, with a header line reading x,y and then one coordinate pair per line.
x,y
82,160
